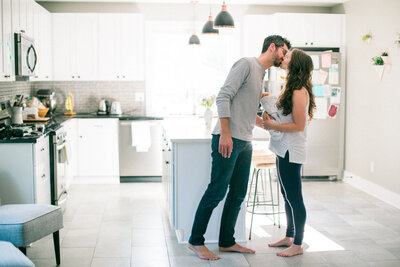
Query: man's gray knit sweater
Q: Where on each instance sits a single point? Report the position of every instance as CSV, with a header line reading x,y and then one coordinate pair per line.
x,y
239,98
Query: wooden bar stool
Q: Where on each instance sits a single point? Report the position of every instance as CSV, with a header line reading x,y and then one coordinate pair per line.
x,y
258,196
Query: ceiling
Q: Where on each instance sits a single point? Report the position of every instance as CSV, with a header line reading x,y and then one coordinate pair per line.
x,y
228,2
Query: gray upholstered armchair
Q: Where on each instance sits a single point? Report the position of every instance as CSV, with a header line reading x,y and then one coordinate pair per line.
x,y
22,224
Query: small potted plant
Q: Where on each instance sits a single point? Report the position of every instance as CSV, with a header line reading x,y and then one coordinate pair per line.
x,y
385,57
367,38
208,114
378,65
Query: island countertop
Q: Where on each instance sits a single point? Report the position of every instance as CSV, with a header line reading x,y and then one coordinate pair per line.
x,y
193,129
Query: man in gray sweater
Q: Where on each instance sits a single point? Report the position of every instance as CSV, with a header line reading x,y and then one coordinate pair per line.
x,y
237,103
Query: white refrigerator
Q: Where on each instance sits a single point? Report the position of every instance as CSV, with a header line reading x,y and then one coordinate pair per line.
x,y
325,136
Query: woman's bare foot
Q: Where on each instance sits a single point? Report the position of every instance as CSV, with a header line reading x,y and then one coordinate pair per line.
x,y
203,252
291,251
237,248
285,242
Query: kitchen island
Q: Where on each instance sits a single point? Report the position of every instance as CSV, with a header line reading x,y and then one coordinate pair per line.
x,y
186,174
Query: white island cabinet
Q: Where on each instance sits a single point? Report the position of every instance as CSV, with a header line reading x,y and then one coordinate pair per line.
x,y
187,169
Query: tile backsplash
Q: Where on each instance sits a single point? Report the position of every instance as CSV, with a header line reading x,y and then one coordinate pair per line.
x,y
8,90
87,94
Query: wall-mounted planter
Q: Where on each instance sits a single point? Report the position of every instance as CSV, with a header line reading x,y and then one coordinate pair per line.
x,y
367,38
380,69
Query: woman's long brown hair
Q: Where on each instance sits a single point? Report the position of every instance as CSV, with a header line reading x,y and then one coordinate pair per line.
x,y
299,75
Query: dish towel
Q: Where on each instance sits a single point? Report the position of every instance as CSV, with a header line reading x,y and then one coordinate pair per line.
x,y
141,137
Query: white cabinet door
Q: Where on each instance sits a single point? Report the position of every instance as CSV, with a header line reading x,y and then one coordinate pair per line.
x,y
8,38
30,4
23,6
132,46
121,47
84,37
98,148
108,42
15,16
75,46
62,46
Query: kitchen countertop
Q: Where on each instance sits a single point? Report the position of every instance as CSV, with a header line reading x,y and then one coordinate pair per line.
x,y
58,119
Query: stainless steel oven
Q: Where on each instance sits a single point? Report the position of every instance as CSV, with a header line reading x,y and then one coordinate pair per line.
x,y
25,55
58,166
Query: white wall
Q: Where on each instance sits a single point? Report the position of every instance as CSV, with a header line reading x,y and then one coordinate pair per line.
x,y
372,115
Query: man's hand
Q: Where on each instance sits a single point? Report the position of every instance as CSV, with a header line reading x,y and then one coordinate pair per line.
x,y
225,145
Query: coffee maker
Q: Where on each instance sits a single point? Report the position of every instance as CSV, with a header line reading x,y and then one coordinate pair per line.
x,y
48,98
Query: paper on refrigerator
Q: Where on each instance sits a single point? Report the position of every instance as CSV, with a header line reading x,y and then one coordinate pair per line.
x,y
333,75
335,95
321,108
326,60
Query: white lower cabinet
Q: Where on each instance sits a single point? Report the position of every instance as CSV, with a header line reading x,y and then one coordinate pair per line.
x,y
25,172
97,151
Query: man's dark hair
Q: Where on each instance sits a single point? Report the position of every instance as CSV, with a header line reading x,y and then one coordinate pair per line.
x,y
278,40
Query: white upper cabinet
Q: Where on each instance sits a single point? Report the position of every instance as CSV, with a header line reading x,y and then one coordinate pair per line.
x,y
7,38
98,46
121,54
302,30
75,45
311,30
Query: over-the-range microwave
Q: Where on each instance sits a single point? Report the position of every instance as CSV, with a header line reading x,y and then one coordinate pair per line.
x,y
25,55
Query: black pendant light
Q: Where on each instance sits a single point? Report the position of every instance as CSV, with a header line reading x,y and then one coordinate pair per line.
x,y
194,39
208,27
224,19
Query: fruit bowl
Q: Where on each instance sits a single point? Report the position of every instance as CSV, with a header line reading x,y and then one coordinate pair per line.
x,y
42,112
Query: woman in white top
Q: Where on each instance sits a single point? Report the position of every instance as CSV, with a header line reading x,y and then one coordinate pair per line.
x,y
295,107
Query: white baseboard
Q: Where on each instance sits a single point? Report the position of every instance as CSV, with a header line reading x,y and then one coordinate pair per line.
x,y
372,189
95,180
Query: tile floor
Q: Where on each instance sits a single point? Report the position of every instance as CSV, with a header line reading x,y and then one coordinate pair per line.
x,y
125,225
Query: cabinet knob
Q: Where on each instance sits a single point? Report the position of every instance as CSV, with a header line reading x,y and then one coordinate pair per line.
x,y
163,150
312,43
47,77
80,136
166,162
7,76
306,43
123,76
42,149
23,31
73,77
36,76
169,149
79,77
118,76
43,175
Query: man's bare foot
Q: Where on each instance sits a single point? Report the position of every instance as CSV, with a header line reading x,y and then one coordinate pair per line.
x,y
237,248
203,252
284,242
291,251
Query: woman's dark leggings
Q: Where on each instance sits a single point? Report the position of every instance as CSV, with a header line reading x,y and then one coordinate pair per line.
x,y
289,175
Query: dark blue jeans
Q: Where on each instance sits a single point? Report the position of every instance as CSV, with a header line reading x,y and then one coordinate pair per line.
x,y
289,175
230,172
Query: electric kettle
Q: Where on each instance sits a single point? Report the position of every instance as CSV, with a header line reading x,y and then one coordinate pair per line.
x,y
102,109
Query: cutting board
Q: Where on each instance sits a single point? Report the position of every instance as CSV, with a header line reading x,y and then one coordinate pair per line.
x,y
37,120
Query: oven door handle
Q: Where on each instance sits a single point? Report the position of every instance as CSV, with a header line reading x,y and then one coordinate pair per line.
x,y
59,147
62,198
